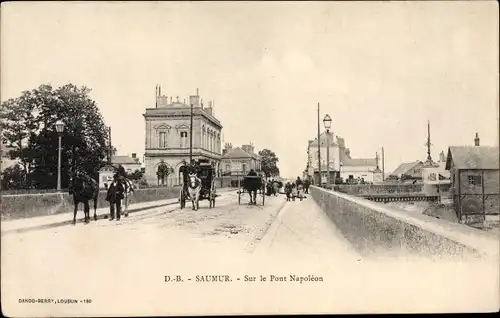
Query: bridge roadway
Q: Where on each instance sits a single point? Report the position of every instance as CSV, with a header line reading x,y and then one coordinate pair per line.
x,y
121,266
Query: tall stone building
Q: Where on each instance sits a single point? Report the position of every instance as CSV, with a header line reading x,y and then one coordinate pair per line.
x,y
167,135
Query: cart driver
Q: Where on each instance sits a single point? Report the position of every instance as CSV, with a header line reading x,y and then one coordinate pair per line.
x,y
252,190
183,171
193,167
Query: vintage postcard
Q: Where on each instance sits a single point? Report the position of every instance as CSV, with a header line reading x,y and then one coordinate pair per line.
x,y
215,158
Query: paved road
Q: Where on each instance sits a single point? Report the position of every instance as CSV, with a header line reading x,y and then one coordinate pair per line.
x,y
122,266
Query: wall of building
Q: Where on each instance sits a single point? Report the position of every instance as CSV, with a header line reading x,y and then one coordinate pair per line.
x,y
364,172
236,165
334,157
473,204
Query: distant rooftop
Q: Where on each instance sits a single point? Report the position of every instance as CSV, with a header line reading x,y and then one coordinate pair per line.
x,y
360,162
123,160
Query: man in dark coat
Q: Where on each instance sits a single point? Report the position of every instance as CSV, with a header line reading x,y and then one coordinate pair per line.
x,y
307,183
114,197
298,182
251,186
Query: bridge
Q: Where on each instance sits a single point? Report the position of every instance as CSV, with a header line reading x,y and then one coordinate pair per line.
x,y
332,252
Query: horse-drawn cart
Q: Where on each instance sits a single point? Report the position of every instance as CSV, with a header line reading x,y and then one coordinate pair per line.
x,y
255,184
205,173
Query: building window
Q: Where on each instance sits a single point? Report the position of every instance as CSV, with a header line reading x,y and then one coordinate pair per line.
x,y
474,180
244,168
228,167
184,139
162,140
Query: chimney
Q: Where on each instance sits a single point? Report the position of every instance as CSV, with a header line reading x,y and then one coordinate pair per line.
x,y
476,140
134,155
442,157
195,99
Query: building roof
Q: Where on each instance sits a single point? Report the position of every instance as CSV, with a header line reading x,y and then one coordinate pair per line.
x,y
322,138
405,167
473,157
123,160
238,153
359,162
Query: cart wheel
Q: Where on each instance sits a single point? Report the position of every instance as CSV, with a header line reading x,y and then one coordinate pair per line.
x,y
239,197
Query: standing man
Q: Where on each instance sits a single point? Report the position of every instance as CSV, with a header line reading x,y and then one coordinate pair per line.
x,y
307,183
115,197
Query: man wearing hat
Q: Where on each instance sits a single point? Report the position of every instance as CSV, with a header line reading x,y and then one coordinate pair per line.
x,y
114,197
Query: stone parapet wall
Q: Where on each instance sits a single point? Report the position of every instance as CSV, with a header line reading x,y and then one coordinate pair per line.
x,y
32,205
365,189
376,230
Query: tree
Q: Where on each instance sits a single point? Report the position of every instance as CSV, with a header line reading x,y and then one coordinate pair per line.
x,y
136,175
84,139
14,178
17,122
268,162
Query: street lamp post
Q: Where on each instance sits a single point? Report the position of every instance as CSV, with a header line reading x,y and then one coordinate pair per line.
x,y
191,138
327,121
59,129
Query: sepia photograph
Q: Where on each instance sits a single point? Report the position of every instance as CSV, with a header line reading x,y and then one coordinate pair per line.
x,y
200,158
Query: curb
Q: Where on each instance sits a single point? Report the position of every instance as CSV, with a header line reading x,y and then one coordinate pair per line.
x,y
99,217
258,238
69,222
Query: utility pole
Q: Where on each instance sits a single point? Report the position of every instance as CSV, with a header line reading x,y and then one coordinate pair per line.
x,y
319,153
191,137
428,143
110,151
383,164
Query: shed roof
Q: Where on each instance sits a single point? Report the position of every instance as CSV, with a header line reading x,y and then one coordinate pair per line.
x,y
473,157
405,167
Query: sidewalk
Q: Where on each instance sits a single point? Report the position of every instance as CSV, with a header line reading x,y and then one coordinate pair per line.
x,y
49,221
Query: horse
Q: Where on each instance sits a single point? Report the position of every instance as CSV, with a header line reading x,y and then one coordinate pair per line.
x,y
252,185
194,189
129,187
84,188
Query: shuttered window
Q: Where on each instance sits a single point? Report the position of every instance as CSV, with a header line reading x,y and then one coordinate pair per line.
x,y
474,180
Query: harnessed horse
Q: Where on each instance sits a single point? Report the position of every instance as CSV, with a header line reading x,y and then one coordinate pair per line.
x,y
84,188
128,185
194,189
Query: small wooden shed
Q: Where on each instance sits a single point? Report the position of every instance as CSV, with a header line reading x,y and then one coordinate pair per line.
x,y
474,181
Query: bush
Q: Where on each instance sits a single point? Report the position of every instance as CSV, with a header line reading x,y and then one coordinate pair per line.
x,y
14,178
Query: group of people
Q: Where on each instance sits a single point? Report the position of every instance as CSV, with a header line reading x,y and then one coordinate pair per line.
x,y
297,189
272,187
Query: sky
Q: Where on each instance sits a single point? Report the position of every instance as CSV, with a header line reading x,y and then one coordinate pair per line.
x,y
379,69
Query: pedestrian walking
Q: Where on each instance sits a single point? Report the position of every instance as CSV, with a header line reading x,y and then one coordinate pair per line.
x,y
294,191
307,183
288,191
